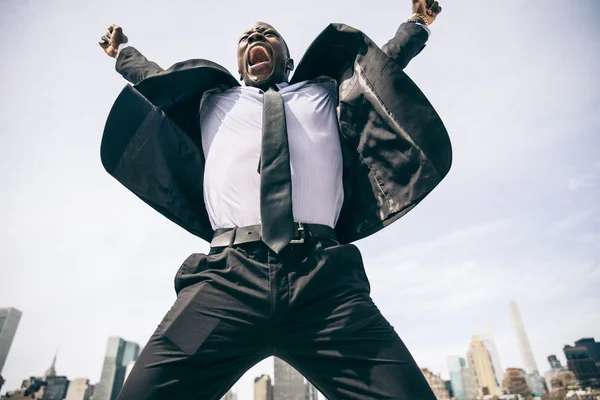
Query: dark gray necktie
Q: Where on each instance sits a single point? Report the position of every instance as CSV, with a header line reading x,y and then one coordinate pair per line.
x,y
275,176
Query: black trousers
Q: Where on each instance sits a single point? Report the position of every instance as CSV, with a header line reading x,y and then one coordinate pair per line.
x,y
310,307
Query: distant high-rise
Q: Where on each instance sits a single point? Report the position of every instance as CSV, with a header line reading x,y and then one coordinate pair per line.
x,y
482,370
9,321
583,365
289,383
56,388
437,384
488,341
230,395
515,382
263,389
79,389
51,371
593,349
522,340
128,370
118,354
555,368
460,378
311,392
554,362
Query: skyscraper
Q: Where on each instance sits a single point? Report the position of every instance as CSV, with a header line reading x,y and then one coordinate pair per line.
x,y
230,395
437,384
522,340
51,371
534,380
460,378
593,349
79,389
555,369
289,383
554,362
9,321
311,392
263,389
488,341
482,371
118,354
583,365
56,388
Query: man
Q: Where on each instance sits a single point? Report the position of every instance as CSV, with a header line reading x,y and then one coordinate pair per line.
x,y
280,176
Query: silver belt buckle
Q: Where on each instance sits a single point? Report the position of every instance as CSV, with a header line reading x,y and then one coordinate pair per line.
x,y
302,234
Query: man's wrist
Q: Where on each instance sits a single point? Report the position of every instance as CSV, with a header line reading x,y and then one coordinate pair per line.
x,y
418,21
119,48
420,17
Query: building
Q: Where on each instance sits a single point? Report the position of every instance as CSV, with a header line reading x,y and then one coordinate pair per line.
x,y
119,353
51,371
9,321
128,370
488,341
289,383
437,384
460,378
229,395
515,382
563,382
580,362
79,389
32,388
482,370
593,349
263,388
311,392
522,339
554,362
56,388
449,389
555,368
536,383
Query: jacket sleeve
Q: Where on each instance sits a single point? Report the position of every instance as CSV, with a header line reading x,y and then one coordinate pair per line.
x,y
409,40
134,66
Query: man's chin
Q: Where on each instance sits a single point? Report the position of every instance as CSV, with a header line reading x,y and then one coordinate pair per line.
x,y
258,81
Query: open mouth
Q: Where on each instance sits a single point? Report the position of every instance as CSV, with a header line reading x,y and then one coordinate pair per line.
x,y
259,58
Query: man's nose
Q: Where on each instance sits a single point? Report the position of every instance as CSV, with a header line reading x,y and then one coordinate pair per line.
x,y
254,36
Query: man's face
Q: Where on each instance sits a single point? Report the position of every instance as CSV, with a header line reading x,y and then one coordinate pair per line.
x,y
262,56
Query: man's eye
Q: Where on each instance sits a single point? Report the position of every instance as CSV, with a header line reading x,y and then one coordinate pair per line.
x,y
270,34
243,38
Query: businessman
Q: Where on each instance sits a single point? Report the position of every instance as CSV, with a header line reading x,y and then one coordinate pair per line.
x,y
280,175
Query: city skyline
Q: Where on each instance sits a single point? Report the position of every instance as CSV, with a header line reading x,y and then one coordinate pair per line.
x,y
517,217
465,379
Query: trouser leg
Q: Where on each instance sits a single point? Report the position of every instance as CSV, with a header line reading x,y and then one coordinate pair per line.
x,y
216,330
336,337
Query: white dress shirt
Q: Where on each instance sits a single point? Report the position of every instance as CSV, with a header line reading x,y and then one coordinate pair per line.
x,y
231,125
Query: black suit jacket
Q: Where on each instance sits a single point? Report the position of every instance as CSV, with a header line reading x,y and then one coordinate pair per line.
x,y
394,145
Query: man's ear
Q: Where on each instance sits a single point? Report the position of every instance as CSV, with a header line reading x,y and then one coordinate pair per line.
x,y
289,65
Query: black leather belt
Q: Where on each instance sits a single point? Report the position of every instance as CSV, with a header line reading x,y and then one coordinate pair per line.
x,y
247,234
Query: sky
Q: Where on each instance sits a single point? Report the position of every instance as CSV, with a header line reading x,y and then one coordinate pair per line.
x,y
517,218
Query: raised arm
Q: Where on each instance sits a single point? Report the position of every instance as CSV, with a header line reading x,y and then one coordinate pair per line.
x,y
130,63
411,36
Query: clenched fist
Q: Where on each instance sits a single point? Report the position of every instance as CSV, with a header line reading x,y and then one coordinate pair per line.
x,y
429,8
111,40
